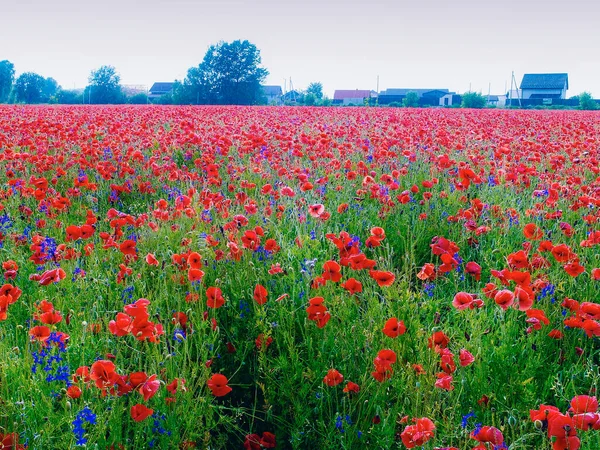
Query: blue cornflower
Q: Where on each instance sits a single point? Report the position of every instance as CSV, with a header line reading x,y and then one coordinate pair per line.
x,y
466,418
85,415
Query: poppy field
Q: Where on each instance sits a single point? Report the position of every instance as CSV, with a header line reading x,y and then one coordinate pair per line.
x,y
306,278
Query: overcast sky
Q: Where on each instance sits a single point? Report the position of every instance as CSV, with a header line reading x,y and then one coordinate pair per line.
x,y
454,44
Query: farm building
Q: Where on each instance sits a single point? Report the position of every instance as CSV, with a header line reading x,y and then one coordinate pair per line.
x,y
159,89
273,94
544,85
427,97
352,97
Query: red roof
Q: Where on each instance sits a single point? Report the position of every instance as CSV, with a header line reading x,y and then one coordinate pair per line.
x,y
357,93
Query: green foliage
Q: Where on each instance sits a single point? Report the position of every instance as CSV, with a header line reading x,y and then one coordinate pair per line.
x,y
473,100
104,87
138,99
587,102
326,101
229,74
69,97
7,76
411,100
310,99
31,88
315,89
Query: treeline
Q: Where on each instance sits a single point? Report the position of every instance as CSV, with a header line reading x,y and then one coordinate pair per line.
x,y
230,73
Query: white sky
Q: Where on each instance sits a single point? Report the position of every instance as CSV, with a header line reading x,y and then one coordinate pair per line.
x,y
343,44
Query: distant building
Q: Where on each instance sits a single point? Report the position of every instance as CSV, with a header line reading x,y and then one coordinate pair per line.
x,y
427,97
493,100
292,97
352,97
273,94
159,89
133,89
544,85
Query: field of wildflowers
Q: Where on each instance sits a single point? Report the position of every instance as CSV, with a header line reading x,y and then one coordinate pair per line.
x,y
223,277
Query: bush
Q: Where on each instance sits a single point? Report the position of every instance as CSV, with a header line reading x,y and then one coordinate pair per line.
x,y
587,102
411,100
473,100
138,99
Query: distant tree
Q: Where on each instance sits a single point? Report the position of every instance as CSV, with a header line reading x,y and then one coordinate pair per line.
x,y
315,89
310,99
586,101
7,76
138,99
473,100
104,87
68,97
29,88
325,101
229,74
411,100
50,91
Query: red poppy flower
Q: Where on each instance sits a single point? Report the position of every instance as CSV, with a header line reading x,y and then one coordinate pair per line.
x,y
532,232
416,435
488,434
268,440
195,275
194,260
218,385
214,297
331,271
40,333
351,387
151,260
504,299
581,404
352,285
382,278
333,378
466,358
260,294
140,412
474,269
394,328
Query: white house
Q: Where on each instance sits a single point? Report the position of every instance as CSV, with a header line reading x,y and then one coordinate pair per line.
x,y
544,85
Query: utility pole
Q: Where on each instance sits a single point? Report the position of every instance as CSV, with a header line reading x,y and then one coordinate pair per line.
x,y
377,99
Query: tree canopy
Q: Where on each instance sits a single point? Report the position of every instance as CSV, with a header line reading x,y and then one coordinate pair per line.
x,y
7,76
229,74
31,88
315,89
473,100
104,87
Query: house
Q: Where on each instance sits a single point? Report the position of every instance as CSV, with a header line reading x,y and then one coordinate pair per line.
x,y
427,97
493,100
544,85
159,89
355,97
273,94
292,97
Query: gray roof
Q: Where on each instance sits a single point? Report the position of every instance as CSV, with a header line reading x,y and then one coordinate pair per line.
x,y
161,87
421,92
545,81
272,90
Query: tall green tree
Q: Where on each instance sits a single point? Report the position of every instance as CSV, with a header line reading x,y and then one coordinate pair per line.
x,y
29,88
50,90
411,100
473,100
586,101
104,87
315,89
7,76
229,74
